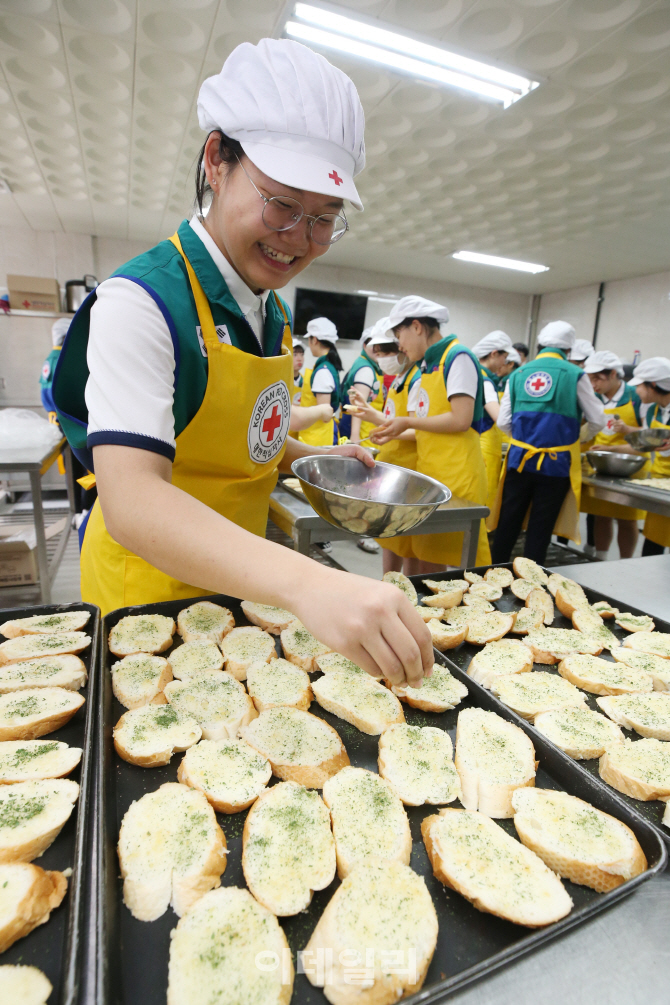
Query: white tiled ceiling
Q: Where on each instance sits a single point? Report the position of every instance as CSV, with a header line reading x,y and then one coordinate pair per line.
x,y
98,132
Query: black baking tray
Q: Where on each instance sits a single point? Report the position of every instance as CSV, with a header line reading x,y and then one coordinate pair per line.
x,y
133,955
57,948
651,811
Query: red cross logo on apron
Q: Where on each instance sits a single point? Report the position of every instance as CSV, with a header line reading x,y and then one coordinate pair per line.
x,y
335,177
272,424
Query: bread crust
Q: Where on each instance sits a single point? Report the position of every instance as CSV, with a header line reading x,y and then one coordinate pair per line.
x,y
312,776
345,708
479,632
522,587
119,648
427,702
36,625
539,599
47,722
569,669
162,754
26,847
217,634
45,892
622,777
570,598
526,568
500,577
491,796
444,637
31,647
270,619
187,777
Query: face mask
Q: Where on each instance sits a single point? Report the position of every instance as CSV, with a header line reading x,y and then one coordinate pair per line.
x,y
389,364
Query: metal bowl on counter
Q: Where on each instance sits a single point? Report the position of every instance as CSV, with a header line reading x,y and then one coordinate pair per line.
x,y
606,462
646,439
376,502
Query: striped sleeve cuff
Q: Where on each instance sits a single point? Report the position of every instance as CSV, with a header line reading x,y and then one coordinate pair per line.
x,y
124,439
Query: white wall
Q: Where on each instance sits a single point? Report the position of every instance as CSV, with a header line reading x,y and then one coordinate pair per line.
x,y
577,307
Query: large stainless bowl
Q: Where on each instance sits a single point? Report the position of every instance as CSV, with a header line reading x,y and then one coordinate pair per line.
x,y
606,462
383,501
646,440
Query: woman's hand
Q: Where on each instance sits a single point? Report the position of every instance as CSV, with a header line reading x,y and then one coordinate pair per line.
x,y
353,450
325,412
391,429
621,428
369,622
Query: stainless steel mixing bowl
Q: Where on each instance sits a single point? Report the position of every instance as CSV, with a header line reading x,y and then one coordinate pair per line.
x,y
606,462
646,439
383,501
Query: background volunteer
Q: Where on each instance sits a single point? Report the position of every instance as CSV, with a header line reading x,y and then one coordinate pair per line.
x,y
492,352
580,352
542,410
59,330
298,363
366,379
321,383
449,411
183,471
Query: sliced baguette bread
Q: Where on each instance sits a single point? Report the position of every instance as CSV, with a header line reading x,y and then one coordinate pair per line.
x,y
417,762
550,645
598,676
474,856
540,600
24,985
230,773
205,620
591,624
638,768
556,579
458,617
278,683
270,619
528,694
570,597
472,577
33,712
448,585
194,658
141,633
140,680
446,636
576,840
28,895
45,624
244,646
507,656
300,647
493,758
66,671
300,747
634,622
429,613
384,906
327,662
528,619
364,703
32,815
579,732
478,603
26,760
501,577
217,701
444,594
31,647
486,591
288,850
404,584
489,627
647,714
438,693
369,821
604,609
522,587
215,949
658,667
526,568
150,735
655,643
171,851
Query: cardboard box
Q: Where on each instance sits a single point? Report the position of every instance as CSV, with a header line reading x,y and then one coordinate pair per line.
x,y
33,293
18,552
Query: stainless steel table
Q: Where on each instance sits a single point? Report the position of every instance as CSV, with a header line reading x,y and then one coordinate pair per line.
x,y
303,525
35,463
629,493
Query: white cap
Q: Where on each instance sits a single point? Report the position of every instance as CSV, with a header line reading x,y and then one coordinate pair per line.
x,y
322,329
382,333
558,334
416,307
59,330
655,370
491,342
603,360
297,344
581,350
513,356
367,334
299,119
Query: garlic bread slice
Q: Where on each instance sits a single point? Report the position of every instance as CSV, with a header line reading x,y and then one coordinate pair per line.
x,y
46,624
244,646
557,579
591,624
171,851
579,732
150,735
445,594
493,758
526,568
655,643
634,622
32,647
300,747
438,693
205,620
489,627
369,820
658,667
65,671
417,761
300,647
32,815
33,712
429,613
277,683
364,703
550,645
638,768
486,590
230,773
327,662
528,619
288,850
500,577
472,577
540,600
604,609
217,702
28,895
522,587
446,637
270,619
192,659
506,656
26,760
570,597
140,680
404,584
647,714
598,676
478,603
528,694
24,985
141,633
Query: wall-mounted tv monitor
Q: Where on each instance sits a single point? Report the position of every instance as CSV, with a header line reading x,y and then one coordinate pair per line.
x,y
345,310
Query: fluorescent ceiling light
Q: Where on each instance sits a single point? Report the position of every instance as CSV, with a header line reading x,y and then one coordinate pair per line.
x,y
502,263
367,293
384,300
407,55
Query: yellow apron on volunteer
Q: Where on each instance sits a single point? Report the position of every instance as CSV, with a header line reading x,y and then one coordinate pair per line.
x,y
598,507
319,434
491,443
378,404
657,527
400,452
455,459
244,413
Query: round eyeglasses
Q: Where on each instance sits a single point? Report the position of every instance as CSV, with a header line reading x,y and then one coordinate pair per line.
x,y
281,212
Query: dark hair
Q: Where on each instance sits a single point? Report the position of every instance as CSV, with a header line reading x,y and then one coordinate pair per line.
x,y
521,347
428,322
299,348
332,355
229,151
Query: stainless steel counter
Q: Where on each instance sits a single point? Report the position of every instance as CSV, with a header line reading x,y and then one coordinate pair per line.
x,y
628,493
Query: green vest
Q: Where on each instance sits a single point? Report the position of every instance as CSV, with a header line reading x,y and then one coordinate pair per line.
x,y
335,395
431,361
358,364
161,272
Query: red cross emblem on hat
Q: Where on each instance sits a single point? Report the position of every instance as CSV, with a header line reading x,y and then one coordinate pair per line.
x,y
538,384
335,177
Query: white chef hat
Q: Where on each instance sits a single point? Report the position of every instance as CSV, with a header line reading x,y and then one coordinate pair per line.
x,y
367,335
558,335
494,340
513,356
323,329
655,370
59,330
416,307
297,344
603,360
581,350
382,333
299,119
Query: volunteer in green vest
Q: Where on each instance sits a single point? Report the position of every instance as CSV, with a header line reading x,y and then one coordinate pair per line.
x,y
298,363
491,351
620,403
512,363
366,378
321,385
542,410
449,414
175,377
59,330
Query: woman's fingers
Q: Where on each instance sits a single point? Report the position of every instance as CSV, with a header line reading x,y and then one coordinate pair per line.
x,y
419,631
353,450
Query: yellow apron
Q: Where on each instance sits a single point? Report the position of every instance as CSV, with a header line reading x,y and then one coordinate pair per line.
x,y
657,527
567,522
491,443
455,459
598,507
219,460
378,404
319,434
401,452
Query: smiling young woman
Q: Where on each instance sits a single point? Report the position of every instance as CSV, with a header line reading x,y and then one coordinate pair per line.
x,y
174,381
